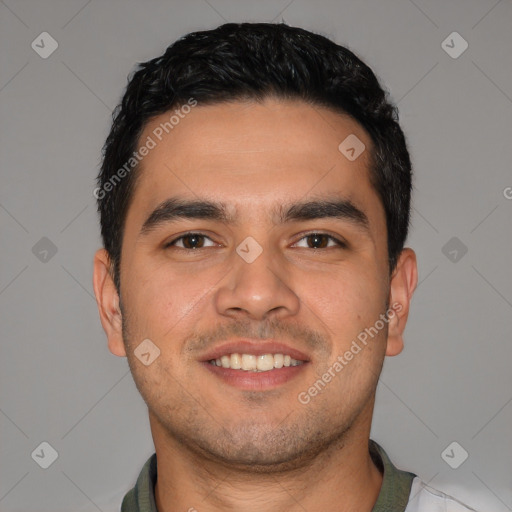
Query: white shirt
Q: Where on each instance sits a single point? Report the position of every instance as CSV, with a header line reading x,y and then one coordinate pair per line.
x,y
425,499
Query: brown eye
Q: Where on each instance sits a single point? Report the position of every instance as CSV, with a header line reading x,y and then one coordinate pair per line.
x,y
321,241
189,241
318,241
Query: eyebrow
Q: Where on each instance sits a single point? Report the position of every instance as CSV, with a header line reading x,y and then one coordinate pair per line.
x,y
175,208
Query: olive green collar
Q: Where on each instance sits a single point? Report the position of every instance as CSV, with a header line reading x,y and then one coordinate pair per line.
x,y
396,484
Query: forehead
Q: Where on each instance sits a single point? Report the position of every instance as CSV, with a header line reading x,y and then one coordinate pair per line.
x,y
252,156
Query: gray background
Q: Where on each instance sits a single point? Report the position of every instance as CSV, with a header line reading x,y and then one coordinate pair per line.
x,y
60,384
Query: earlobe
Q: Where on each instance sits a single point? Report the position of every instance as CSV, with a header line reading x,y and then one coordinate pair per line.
x,y
107,299
402,286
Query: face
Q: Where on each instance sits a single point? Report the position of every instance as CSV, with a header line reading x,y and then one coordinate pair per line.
x,y
285,266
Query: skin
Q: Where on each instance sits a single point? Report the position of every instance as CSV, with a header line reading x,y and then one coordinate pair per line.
x,y
220,447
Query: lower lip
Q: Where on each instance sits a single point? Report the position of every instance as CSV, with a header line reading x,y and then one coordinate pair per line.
x,y
256,381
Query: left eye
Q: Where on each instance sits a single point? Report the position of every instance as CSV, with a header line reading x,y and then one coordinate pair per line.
x,y
321,241
190,241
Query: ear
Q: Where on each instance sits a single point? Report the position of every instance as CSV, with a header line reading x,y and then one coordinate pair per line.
x,y
402,286
108,302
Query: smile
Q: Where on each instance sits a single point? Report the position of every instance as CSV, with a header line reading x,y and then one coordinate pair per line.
x,y
255,363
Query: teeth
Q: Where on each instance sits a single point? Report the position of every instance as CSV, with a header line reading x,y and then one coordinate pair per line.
x,y
236,361
250,362
265,363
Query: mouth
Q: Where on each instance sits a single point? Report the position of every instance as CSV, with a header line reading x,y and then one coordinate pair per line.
x,y
254,364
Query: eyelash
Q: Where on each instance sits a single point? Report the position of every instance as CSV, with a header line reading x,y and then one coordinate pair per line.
x,y
341,244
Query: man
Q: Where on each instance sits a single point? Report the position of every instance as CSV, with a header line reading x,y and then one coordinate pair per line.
x,y
254,199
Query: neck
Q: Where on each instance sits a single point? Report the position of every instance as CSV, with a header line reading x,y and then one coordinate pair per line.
x,y
343,477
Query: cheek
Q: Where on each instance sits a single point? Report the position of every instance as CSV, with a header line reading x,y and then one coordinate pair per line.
x,y
350,304
164,297
347,300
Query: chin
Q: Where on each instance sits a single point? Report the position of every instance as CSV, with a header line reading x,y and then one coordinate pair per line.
x,y
263,449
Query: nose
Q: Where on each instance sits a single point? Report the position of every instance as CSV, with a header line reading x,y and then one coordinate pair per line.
x,y
257,290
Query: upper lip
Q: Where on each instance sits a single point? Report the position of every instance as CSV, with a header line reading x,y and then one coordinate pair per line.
x,y
256,347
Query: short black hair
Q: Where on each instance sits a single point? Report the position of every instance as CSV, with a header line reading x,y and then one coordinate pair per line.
x,y
254,61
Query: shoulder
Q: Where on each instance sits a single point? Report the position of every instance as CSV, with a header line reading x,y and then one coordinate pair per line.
x,y
426,499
